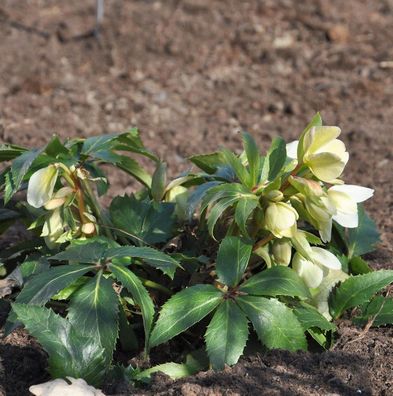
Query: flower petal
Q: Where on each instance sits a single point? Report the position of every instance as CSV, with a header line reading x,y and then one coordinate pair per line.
x,y
311,273
41,185
342,201
348,220
325,258
292,149
357,193
326,166
319,136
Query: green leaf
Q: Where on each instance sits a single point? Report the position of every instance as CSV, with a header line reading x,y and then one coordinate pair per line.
x,y
70,353
276,324
146,222
362,239
357,290
93,311
253,157
226,335
19,168
276,281
97,143
239,169
41,287
379,310
55,148
216,212
153,257
132,167
140,295
92,252
68,291
277,156
159,182
208,162
183,310
309,317
10,151
358,266
244,208
232,260
33,265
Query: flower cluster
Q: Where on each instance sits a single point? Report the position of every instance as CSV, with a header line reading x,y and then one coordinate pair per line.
x,y
314,193
66,202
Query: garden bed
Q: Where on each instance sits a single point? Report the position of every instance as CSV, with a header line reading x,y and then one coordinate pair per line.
x,y
190,74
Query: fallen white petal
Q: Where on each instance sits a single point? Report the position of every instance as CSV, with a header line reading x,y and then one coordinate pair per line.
x,y
57,387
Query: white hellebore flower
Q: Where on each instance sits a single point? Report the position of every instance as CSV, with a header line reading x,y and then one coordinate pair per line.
x,y
313,269
41,185
324,155
345,199
57,387
280,219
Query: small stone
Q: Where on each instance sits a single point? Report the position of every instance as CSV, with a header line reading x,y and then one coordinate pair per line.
x,y
338,34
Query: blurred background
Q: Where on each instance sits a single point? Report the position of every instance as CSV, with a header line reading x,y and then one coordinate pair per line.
x,y
190,74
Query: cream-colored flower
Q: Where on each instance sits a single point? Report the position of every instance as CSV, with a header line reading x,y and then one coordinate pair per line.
x,y
324,155
41,186
280,219
313,269
345,199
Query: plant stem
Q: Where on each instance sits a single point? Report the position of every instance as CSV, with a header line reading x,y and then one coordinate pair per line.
x,y
157,286
263,242
286,184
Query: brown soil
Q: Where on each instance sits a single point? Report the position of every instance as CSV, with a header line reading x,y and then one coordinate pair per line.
x,y
191,74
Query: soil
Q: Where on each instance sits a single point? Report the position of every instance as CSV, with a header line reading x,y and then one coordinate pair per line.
x,y
191,74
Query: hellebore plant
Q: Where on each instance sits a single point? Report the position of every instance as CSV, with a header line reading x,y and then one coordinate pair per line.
x,y
242,244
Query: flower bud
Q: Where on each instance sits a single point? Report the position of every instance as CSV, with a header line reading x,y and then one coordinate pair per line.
x,y
275,196
282,252
88,228
280,219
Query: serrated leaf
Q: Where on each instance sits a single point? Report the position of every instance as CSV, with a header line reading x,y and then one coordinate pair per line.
x,y
44,285
19,168
359,266
357,290
362,239
197,195
276,281
93,311
379,310
244,208
68,291
140,295
33,265
309,317
133,168
232,260
276,324
227,190
183,310
97,143
70,353
216,212
208,162
239,169
253,157
226,335
277,156
153,257
92,252
55,148
10,151
143,220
